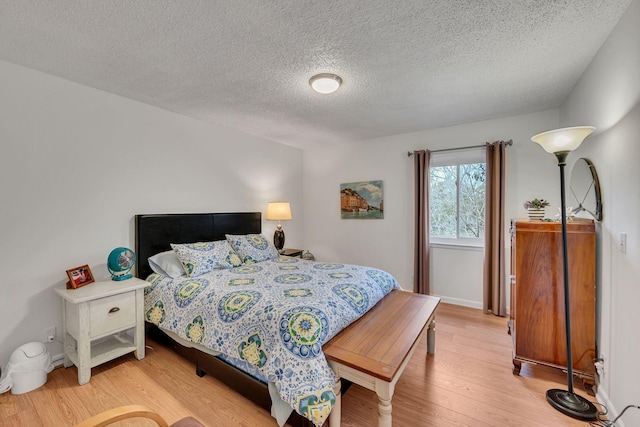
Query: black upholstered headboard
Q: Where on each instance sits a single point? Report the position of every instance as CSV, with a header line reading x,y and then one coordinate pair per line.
x,y
155,233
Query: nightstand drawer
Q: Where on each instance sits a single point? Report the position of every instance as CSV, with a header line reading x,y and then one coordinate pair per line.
x,y
112,313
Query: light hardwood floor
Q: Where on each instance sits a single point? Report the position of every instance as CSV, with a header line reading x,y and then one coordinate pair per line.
x,y
467,383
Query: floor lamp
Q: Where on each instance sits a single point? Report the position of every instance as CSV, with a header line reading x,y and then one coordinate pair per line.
x,y
561,142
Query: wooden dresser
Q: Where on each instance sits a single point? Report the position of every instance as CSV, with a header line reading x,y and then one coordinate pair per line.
x,y
537,323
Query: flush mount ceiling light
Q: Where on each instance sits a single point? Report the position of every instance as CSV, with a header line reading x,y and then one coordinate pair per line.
x,y
325,83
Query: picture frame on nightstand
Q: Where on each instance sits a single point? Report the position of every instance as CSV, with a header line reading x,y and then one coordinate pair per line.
x,y
79,277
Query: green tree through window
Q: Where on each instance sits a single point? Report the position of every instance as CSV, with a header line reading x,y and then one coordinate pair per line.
x,y
457,201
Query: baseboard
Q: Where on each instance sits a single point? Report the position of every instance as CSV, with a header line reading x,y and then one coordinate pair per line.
x,y
612,413
55,349
459,301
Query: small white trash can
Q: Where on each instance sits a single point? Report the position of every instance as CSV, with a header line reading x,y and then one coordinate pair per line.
x,y
27,369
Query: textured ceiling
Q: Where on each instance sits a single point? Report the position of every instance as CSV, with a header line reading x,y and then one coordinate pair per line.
x,y
407,65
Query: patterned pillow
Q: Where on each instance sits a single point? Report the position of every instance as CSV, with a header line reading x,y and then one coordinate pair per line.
x,y
252,247
202,257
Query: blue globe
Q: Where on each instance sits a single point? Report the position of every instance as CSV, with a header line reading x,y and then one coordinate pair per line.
x,y
120,263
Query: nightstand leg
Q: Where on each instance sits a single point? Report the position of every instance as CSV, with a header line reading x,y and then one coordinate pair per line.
x,y
67,340
139,332
84,345
84,360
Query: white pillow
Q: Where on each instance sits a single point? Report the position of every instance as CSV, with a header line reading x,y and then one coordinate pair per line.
x,y
166,264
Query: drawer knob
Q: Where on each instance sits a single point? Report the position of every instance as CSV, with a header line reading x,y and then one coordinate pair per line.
x,y
114,310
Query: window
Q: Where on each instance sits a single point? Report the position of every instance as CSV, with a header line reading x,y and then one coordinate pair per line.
x,y
457,197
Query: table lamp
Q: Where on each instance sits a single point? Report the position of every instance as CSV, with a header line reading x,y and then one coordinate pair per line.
x,y
278,211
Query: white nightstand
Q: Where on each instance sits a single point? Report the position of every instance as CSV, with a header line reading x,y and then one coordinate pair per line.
x,y
96,319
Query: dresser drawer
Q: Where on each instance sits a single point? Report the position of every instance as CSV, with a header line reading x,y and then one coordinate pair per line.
x,y
112,313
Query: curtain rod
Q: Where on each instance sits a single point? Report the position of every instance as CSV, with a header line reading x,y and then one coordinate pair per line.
x,y
509,142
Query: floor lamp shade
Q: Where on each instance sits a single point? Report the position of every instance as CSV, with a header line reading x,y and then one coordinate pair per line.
x,y
278,211
561,142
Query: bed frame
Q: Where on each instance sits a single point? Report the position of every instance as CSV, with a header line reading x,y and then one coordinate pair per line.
x,y
372,352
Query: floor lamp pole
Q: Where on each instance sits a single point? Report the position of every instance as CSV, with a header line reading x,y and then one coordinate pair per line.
x,y
566,401
565,269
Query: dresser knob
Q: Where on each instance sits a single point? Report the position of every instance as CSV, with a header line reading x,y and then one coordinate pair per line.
x,y
114,310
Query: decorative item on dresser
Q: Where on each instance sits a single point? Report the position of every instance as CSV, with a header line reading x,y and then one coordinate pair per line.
x,y
561,142
278,211
535,209
96,320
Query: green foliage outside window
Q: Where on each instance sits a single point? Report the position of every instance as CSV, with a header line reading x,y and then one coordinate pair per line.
x,y
457,201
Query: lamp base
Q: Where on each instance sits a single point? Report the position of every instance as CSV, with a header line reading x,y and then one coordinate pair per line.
x,y
278,239
572,404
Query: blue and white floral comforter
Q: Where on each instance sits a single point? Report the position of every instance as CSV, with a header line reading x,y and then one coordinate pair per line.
x,y
276,315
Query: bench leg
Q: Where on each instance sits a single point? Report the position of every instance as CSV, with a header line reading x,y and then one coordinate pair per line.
x,y
336,412
384,390
431,337
384,413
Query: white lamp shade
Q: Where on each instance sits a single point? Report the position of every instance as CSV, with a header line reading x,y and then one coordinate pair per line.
x,y
561,140
325,83
278,211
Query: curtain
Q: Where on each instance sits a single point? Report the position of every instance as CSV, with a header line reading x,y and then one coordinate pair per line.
x,y
494,291
421,244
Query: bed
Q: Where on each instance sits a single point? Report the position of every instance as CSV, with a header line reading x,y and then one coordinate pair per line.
x,y
276,290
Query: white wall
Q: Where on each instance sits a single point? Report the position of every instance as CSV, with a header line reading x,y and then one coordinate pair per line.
x,y
455,284
76,164
388,243
607,96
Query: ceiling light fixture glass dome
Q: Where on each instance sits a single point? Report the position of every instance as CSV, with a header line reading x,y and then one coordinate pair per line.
x,y
325,83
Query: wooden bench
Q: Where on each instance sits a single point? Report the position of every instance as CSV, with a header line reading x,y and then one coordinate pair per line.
x,y
374,350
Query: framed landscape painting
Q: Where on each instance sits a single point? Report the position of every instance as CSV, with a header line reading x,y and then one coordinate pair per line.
x,y
361,200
